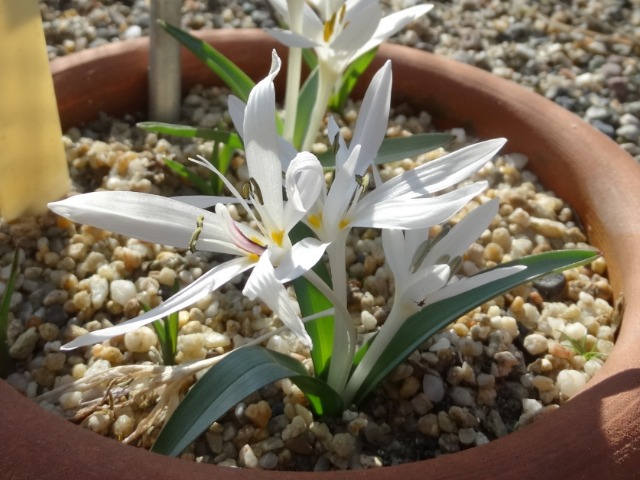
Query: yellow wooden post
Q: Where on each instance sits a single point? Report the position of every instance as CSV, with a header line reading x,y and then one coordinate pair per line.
x,y
33,167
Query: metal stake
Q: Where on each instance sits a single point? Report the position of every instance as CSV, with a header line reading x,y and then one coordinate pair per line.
x,y
164,63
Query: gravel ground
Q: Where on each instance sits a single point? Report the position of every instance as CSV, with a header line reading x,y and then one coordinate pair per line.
x,y
582,54
498,374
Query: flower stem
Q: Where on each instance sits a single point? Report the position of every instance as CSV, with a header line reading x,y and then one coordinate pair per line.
x,y
294,66
327,78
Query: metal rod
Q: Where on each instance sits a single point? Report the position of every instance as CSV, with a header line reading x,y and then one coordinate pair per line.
x,y
164,63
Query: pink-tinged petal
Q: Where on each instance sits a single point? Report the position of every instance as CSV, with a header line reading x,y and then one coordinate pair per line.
x,y
147,217
189,295
302,257
237,236
415,212
263,284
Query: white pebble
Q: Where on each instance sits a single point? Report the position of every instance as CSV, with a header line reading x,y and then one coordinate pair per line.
x,y
575,331
570,382
442,344
214,340
70,400
433,388
123,426
122,291
99,290
535,343
140,340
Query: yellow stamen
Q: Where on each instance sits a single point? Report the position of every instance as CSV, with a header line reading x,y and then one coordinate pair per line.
x,y
253,257
277,237
315,220
257,241
329,27
343,223
342,11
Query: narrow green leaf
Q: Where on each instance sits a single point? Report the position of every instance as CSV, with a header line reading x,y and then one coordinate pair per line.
x,y
238,375
231,75
306,103
312,301
309,57
228,138
430,320
350,78
399,148
5,359
196,180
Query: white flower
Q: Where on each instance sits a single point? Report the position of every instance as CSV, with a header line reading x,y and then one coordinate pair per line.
x,y
343,32
424,273
183,224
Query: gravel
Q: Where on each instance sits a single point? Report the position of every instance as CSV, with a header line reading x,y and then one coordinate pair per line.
x,y
496,369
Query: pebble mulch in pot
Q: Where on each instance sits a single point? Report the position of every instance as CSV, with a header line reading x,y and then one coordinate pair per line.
x,y
495,370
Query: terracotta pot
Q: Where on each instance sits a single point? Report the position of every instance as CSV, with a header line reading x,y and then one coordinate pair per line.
x,y
595,435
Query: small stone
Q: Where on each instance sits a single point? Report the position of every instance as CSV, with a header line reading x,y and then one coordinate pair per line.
x,y
268,461
575,331
99,287
442,344
247,458
140,340
25,344
70,400
467,436
548,228
570,382
433,388
344,444
98,422
535,343
259,413
123,426
550,285
462,396
122,291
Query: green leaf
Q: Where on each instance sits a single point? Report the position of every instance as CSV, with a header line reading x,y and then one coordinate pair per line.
x,y
238,375
312,301
306,102
231,75
5,359
228,138
399,148
310,58
434,317
205,187
350,78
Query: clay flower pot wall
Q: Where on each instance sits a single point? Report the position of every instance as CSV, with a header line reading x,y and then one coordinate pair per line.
x,y
595,435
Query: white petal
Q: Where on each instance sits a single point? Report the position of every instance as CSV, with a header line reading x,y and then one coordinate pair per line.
x,y
426,281
263,284
467,231
391,24
341,191
151,218
439,174
415,212
261,146
304,181
204,201
469,283
311,24
291,39
204,285
397,257
373,118
361,20
236,111
302,257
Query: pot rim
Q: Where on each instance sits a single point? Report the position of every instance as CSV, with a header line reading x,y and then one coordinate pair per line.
x,y
583,166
